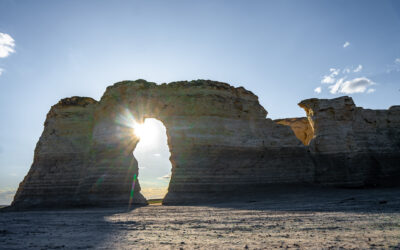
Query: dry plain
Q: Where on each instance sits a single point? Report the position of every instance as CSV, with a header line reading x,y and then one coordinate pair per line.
x,y
302,219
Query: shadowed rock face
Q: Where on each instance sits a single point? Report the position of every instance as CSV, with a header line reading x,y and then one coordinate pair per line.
x,y
220,140
353,146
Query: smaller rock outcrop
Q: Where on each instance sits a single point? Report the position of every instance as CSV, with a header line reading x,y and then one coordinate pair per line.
x,y
353,146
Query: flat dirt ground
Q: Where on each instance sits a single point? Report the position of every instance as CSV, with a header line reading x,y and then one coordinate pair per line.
x,y
350,219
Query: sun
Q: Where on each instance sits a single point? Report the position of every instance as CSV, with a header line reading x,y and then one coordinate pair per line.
x,y
146,132
141,130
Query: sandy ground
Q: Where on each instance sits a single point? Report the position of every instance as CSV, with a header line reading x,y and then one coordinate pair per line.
x,y
313,219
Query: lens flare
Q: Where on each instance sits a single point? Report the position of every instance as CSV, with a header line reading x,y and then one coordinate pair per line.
x,y
132,190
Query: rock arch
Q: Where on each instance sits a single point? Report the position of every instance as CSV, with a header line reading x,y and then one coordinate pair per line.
x,y
219,138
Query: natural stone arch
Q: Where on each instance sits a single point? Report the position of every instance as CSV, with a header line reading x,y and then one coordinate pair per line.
x,y
208,123
220,140
218,137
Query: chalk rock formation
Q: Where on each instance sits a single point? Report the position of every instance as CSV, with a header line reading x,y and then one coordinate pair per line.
x,y
300,126
220,140
60,153
61,157
218,137
353,146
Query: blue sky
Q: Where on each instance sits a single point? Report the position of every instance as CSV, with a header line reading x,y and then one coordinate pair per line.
x,y
283,51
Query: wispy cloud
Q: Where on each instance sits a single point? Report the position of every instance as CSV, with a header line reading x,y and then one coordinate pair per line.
x,y
358,69
7,45
335,87
346,44
393,67
165,177
1,71
356,85
338,82
346,71
328,79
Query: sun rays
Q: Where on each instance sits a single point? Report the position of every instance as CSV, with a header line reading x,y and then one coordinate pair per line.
x,y
147,132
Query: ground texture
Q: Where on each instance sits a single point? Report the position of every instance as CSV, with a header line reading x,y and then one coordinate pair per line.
x,y
350,219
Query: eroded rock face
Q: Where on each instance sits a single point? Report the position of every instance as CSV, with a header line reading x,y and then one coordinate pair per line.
x,y
218,136
353,146
220,140
60,155
300,126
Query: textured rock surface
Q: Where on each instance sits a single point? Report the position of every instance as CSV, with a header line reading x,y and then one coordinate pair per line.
x,y
300,126
220,140
218,136
61,158
354,146
60,155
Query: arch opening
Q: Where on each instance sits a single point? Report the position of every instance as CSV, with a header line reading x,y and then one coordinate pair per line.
x,y
152,153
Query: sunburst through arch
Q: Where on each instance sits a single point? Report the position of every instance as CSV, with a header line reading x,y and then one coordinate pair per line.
x,y
152,153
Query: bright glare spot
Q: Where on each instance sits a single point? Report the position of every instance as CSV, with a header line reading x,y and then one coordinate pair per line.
x,y
147,131
141,130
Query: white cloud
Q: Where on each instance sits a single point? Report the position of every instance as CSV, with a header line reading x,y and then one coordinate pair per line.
x,y
397,60
328,79
335,88
7,45
1,71
318,90
157,155
358,69
357,85
338,83
334,71
346,44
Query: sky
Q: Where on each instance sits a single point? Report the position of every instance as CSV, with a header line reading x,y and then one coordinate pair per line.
x,y
283,51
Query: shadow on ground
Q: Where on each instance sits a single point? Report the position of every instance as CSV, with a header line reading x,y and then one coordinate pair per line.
x,y
296,218
385,200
